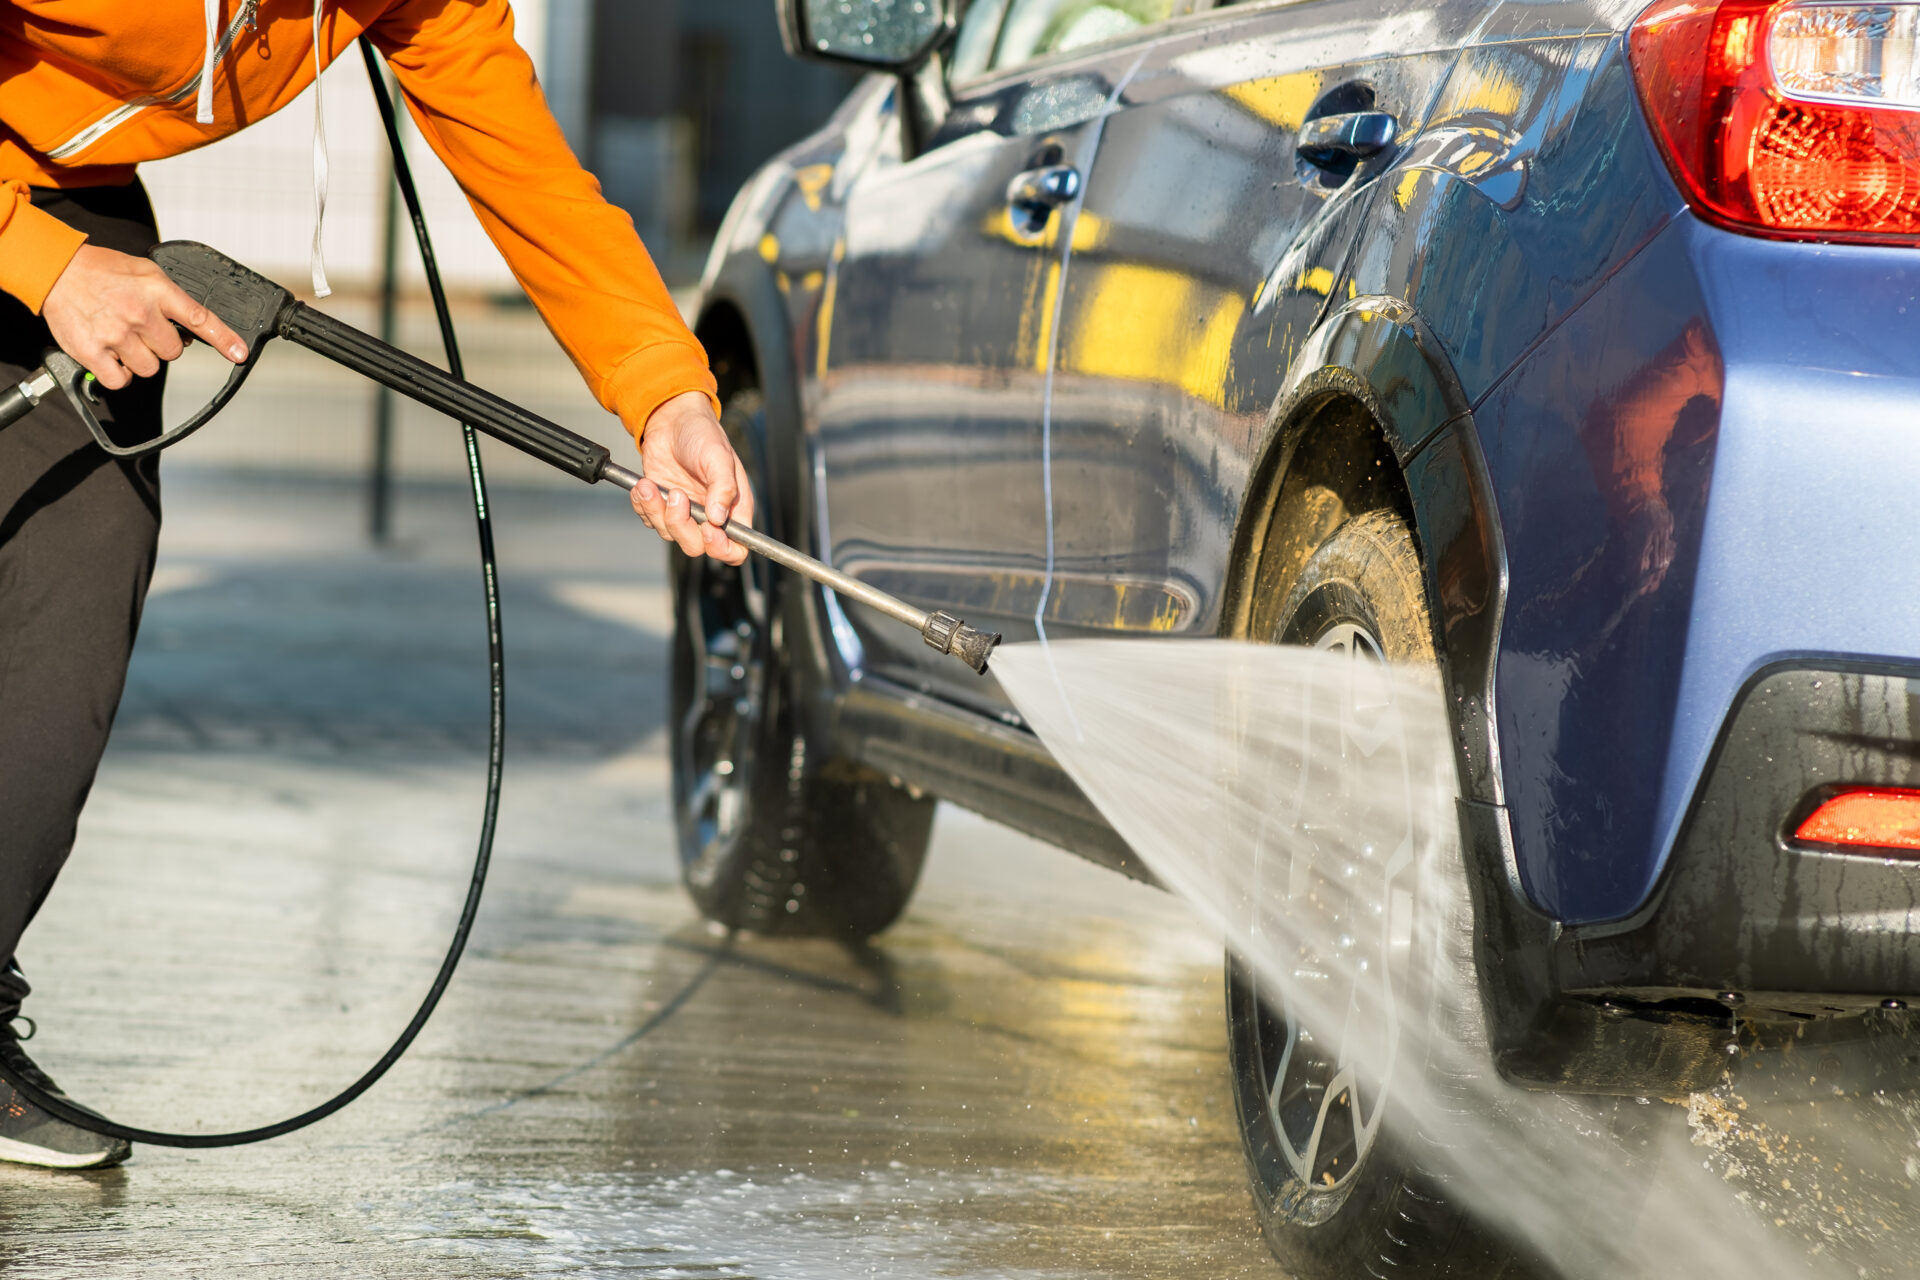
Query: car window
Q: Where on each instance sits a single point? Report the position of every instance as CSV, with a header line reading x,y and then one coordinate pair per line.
x,y
1036,28
973,49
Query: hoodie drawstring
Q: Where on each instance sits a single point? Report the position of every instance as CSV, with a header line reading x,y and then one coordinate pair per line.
x,y
204,112
319,264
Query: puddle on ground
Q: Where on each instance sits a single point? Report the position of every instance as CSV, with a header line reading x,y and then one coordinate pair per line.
x,y
739,1224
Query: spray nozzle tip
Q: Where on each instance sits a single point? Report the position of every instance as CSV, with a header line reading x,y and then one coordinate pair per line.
x,y
948,634
974,647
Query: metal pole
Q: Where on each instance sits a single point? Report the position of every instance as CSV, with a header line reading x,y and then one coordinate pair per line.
x,y
798,561
940,629
380,472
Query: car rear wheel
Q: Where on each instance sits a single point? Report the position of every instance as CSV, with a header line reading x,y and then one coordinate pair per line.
x,y
1334,1165
774,837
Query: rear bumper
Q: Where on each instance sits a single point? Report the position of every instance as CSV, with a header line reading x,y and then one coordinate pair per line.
x,y
1778,927
1746,922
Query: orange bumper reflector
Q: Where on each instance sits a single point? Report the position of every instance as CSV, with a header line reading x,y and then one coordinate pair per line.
x,y
1878,819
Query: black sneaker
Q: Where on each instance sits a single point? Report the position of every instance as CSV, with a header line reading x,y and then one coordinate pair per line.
x,y
29,1135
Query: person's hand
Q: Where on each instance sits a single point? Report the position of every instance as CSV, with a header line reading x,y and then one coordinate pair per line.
x,y
687,457
115,313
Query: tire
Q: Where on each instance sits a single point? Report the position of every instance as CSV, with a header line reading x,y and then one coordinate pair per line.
x,y
1338,1181
774,837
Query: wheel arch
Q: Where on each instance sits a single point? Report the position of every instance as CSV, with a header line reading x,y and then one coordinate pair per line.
x,y
1326,460
749,332
1371,416
723,331
1368,390
743,325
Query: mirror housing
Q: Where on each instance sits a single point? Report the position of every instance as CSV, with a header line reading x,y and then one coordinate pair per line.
x,y
880,35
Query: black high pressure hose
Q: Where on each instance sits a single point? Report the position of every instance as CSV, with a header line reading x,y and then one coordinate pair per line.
x,y
64,1108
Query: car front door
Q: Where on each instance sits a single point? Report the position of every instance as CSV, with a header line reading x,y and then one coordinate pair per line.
x,y
930,371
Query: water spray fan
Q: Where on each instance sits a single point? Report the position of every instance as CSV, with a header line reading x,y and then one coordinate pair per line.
x,y
258,309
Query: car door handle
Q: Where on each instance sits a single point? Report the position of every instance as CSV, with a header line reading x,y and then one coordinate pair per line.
x,y
1338,141
1033,195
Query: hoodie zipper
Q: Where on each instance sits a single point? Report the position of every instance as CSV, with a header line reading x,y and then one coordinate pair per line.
x,y
121,114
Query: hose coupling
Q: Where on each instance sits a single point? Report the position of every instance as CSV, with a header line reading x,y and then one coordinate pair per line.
x,y
947,634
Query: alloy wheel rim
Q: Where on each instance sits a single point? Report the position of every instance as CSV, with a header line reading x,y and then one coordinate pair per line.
x,y
724,620
1325,1088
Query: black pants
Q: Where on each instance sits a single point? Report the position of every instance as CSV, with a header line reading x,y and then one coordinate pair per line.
x,y
77,536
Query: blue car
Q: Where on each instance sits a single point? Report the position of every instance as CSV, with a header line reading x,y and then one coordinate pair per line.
x,y
1568,347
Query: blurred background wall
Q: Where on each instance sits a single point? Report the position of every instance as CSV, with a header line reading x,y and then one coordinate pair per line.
x,y
672,103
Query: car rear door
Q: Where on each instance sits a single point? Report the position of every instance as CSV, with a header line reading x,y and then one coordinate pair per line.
x,y
931,366
1207,250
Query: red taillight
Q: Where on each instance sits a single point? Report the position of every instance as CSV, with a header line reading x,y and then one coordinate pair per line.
x,y
1798,119
1871,818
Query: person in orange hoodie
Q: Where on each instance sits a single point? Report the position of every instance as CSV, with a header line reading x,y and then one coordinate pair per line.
x,y
88,90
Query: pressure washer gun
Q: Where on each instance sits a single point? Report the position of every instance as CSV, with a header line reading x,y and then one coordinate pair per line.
x,y
258,309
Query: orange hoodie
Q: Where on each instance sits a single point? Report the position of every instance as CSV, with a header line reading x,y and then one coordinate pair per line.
x,y
91,88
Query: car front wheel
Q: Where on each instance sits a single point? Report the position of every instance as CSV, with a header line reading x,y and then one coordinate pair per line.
x,y
774,837
1334,1153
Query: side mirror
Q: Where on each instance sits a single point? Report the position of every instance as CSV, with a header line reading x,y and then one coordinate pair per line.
x,y
881,35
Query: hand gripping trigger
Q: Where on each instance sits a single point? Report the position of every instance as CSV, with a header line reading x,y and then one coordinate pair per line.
x,y
249,303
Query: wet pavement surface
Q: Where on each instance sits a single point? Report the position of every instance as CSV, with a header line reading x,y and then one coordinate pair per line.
x,y
1024,1077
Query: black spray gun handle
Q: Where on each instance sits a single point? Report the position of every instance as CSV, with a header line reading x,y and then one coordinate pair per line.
x,y
258,309
250,304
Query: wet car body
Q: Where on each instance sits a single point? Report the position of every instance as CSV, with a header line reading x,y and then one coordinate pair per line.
x,y
1658,470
